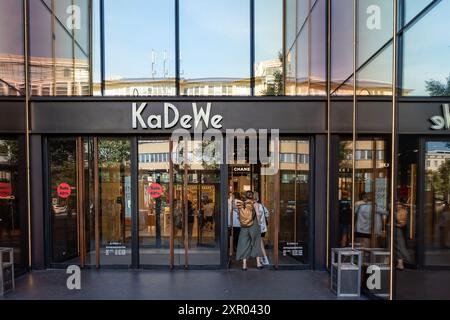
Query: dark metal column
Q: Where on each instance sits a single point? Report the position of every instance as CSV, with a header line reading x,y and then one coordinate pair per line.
x,y
134,203
96,204
224,208
252,47
171,202
319,226
37,203
177,47
102,47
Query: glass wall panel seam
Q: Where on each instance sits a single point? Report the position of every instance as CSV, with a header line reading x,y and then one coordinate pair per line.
x,y
303,25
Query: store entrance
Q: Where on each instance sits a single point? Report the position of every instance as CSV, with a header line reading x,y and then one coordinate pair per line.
x,y
424,189
89,200
116,201
284,200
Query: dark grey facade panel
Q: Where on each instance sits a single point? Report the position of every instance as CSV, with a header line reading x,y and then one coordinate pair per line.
x,y
12,116
414,117
112,116
372,116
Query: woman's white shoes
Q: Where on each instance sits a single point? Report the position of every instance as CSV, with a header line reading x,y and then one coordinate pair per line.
x,y
265,261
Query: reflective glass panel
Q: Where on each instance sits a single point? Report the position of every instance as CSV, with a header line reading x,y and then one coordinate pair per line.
x,y
63,200
214,47
426,59
11,48
268,47
139,48
295,212
155,220
12,220
437,207
114,170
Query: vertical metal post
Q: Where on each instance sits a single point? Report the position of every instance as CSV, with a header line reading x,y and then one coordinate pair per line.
x,y
373,197
328,131
102,47
394,148
252,47
53,47
186,204
295,190
73,59
81,201
224,209
284,48
171,204
27,122
177,47
354,117
96,204
277,205
134,203
90,32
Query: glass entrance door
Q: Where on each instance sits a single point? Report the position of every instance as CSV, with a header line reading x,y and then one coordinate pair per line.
x,y
12,220
114,194
284,200
436,207
90,200
175,218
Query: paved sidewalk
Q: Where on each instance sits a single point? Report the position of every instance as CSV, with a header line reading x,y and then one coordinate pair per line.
x,y
179,284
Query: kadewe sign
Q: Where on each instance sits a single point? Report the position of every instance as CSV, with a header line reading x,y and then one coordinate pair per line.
x,y
144,118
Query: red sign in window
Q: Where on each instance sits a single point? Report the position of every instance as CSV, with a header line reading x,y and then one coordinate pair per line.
x,y
155,190
5,189
64,190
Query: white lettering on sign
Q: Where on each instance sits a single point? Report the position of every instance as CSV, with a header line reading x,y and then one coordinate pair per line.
x,y
200,116
441,122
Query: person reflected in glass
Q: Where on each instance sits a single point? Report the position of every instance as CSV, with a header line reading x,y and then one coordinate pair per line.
x,y
249,243
191,220
233,217
208,214
345,221
444,226
401,250
363,212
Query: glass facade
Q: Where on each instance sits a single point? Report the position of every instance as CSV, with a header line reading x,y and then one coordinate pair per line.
x,y
59,48
305,47
426,63
123,198
214,60
139,48
12,59
92,47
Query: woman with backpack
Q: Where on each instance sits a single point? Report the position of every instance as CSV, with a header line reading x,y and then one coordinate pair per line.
x,y
249,243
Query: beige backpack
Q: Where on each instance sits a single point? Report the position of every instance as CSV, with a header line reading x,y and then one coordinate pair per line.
x,y
245,213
